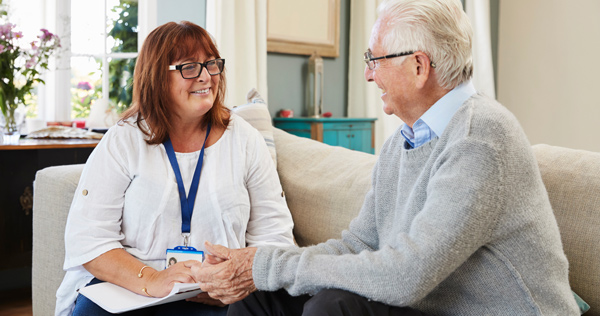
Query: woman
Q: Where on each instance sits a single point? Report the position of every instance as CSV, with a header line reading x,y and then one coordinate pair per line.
x,y
136,197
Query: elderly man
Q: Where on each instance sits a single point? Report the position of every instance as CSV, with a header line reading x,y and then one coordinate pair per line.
x,y
457,221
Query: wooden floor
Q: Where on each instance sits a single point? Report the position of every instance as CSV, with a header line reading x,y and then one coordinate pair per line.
x,y
15,302
21,307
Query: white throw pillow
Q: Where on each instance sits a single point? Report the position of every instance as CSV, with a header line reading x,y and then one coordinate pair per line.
x,y
257,114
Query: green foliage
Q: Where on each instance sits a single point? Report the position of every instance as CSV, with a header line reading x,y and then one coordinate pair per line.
x,y
3,12
124,31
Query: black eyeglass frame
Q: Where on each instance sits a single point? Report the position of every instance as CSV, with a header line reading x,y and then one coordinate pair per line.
x,y
202,66
369,57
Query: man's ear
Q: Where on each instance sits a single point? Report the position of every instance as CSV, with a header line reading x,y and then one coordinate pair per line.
x,y
424,68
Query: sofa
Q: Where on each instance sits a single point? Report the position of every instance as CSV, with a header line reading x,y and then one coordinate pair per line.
x,y
325,187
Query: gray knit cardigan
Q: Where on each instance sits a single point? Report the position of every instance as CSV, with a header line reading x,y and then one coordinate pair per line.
x,y
459,226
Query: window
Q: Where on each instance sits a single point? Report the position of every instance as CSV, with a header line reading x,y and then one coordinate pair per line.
x,y
99,47
103,52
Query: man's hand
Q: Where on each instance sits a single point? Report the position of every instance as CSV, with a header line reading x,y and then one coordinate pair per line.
x,y
226,274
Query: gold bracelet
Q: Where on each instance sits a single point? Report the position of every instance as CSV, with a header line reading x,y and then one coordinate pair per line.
x,y
146,292
142,269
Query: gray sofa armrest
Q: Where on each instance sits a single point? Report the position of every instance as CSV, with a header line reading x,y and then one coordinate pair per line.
x,y
53,192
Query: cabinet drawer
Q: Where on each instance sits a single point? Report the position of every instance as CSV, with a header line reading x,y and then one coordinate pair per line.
x,y
351,133
347,126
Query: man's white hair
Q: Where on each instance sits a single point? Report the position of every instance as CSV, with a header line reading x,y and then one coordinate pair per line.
x,y
439,28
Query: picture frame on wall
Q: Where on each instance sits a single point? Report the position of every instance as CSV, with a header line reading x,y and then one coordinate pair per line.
x,y
304,27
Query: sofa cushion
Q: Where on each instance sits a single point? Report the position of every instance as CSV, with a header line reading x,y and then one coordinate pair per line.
x,y
257,114
325,185
572,179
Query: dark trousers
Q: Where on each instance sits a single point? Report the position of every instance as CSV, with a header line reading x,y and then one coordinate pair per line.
x,y
327,302
85,307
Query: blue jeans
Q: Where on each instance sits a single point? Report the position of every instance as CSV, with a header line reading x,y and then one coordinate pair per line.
x,y
85,307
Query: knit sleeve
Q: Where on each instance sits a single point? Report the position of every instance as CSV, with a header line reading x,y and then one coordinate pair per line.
x,y
461,203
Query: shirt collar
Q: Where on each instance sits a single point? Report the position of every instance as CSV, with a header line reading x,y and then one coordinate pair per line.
x,y
439,115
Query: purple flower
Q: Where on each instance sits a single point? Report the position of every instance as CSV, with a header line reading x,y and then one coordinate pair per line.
x,y
6,29
84,85
46,36
22,61
31,62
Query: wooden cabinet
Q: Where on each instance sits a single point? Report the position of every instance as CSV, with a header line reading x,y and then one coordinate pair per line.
x,y
18,165
352,133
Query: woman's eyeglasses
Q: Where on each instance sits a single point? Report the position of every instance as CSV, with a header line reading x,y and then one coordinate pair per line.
x,y
193,70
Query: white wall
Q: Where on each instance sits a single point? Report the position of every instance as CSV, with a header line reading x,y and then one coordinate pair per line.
x,y
548,69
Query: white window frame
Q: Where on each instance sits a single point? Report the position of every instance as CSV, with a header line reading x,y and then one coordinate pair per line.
x,y
55,96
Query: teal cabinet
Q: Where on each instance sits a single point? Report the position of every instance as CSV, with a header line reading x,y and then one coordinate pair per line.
x,y
352,133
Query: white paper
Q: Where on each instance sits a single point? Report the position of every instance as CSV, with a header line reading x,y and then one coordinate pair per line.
x,y
116,299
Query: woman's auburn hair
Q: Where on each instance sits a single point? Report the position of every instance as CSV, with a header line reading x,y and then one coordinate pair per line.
x,y
166,44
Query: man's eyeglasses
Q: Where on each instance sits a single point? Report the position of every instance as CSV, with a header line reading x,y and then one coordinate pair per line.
x,y
372,61
193,70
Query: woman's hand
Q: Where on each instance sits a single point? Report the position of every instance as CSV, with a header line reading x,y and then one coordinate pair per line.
x,y
160,283
119,267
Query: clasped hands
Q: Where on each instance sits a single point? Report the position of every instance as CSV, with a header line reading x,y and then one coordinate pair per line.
x,y
226,274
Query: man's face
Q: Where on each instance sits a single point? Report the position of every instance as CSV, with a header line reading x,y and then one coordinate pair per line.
x,y
393,76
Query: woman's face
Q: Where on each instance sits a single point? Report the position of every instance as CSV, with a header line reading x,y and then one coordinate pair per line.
x,y
192,98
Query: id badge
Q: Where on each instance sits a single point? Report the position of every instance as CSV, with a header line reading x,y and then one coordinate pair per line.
x,y
182,253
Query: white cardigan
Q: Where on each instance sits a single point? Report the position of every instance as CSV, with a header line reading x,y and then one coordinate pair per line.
x,y
127,198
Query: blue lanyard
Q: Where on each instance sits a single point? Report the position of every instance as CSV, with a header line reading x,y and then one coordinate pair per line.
x,y
187,203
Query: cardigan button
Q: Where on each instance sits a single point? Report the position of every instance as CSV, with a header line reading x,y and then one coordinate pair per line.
x,y
282,193
85,192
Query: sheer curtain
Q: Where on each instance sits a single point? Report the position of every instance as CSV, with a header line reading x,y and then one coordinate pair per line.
x,y
364,97
483,69
240,31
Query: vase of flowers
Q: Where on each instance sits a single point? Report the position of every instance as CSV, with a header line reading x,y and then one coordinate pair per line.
x,y
20,69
